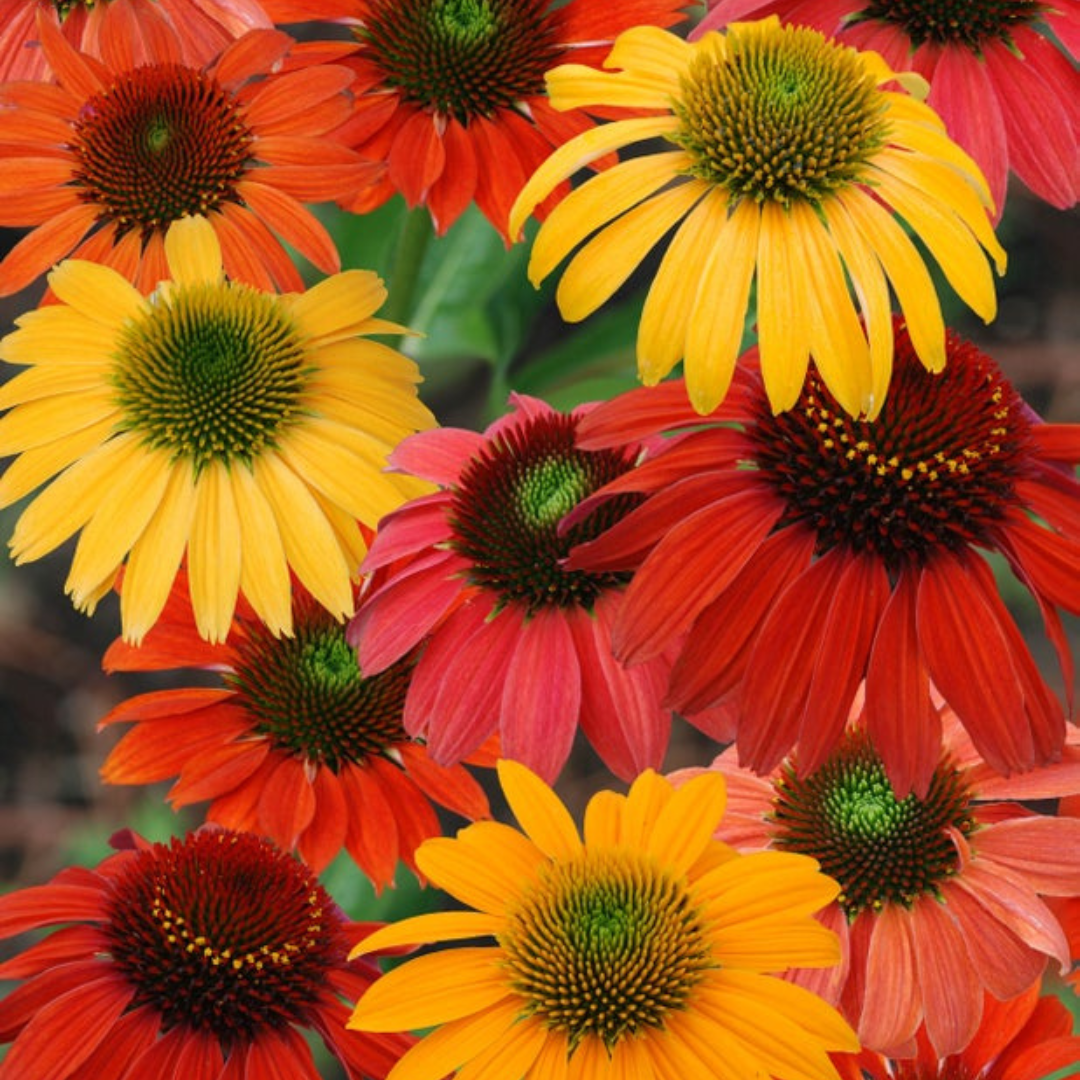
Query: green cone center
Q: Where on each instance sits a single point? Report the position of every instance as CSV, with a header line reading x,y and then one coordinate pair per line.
x,y
307,695
881,849
607,944
508,505
211,372
783,114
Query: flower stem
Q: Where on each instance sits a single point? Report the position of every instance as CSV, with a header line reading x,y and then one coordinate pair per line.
x,y
412,243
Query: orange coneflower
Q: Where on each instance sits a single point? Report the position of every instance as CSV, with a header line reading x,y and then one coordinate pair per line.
x,y
100,163
296,745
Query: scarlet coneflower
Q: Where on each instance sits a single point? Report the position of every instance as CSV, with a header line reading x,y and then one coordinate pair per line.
x,y
102,162
295,745
100,27
645,950
942,895
807,550
1002,75
513,642
452,98
203,958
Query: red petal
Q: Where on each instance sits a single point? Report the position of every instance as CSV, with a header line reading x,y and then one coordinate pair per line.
x,y
325,835
452,191
900,717
438,456
252,254
372,836
42,905
414,816
287,804
969,661
217,771
417,157
714,656
452,786
693,564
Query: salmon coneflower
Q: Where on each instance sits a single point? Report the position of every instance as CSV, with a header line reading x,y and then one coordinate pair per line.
x,y
1002,75
296,745
788,162
799,553
512,642
1027,1037
100,163
451,93
241,433
204,958
100,27
645,949
942,895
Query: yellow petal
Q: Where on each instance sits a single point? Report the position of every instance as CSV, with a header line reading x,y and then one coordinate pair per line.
x,y
264,568
433,989
579,152
611,256
539,811
426,929
438,1054
837,341
193,251
118,521
649,50
72,498
685,826
648,795
63,336
927,135
345,464
782,309
872,292
39,422
56,379
156,555
487,866
673,297
906,272
214,553
719,314
596,202
335,307
310,544
575,86
97,292
950,242
552,1061
33,467
603,819
508,1058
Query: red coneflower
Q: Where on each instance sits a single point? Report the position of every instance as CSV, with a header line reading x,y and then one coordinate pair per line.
x,y
296,746
1000,74
808,550
100,163
515,643
172,962
97,27
452,98
942,895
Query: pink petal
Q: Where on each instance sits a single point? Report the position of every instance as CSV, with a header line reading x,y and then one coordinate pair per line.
x,y
439,455
420,523
541,698
1034,848
892,1008
952,995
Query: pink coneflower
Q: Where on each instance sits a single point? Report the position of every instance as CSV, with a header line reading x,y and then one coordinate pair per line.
x,y
942,894
1006,89
512,641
